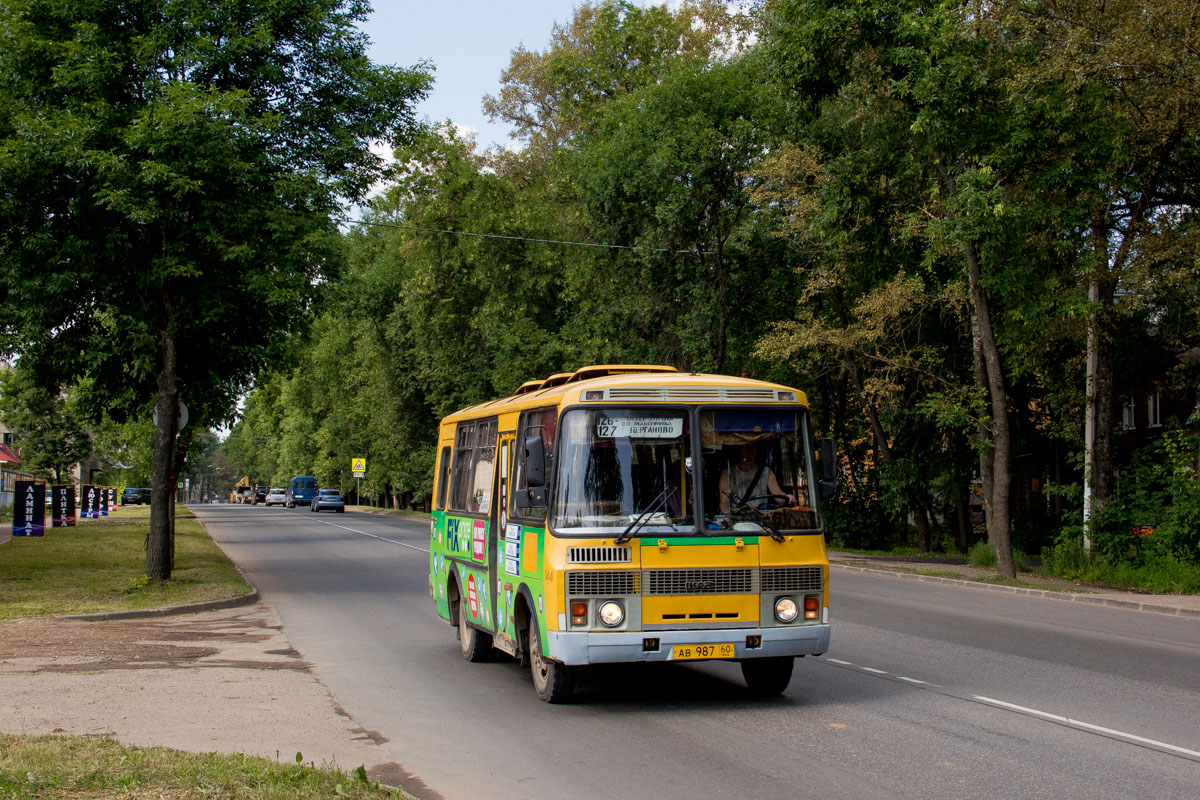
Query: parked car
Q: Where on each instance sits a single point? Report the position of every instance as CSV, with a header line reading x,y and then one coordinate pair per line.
x,y
276,497
328,500
301,491
131,496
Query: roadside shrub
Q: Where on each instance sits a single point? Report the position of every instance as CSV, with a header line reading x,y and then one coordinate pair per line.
x,y
981,554
860,524
1158,490
1162,574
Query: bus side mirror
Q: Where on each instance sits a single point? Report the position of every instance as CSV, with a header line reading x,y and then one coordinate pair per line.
x,y
535,462
827,487
529,498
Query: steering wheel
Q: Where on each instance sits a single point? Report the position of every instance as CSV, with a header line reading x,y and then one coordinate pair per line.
x,y
773,501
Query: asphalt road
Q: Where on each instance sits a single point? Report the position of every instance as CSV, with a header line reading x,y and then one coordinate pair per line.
x,y
927,690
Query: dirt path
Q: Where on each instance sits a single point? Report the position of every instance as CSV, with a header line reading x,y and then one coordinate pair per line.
x,y
225,681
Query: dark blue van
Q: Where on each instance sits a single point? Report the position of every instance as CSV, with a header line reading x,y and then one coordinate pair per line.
x,y
301,491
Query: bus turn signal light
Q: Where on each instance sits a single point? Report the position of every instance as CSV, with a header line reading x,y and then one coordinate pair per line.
x,y
811,606
579,613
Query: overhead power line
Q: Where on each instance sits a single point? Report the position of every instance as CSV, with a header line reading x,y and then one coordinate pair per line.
x,y
519,238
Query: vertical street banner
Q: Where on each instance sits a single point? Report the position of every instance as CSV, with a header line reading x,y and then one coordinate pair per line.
x,y
90,501
63,506
103,492
29,509
112,497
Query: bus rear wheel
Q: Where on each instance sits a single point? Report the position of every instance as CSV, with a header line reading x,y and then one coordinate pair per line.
x,y
767,677
553,682
475,644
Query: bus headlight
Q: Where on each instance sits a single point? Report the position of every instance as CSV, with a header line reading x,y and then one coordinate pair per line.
x,y
611,613
786,609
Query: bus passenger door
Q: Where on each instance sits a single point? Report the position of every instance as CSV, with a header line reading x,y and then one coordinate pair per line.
x,y
499,521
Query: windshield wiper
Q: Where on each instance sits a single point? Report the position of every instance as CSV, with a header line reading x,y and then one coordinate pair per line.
x,y
736,504
637,524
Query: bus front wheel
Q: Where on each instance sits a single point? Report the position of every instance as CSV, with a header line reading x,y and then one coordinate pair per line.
x,y
553,682
767,677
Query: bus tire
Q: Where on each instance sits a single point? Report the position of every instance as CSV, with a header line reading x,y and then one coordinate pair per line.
x,y
553,682
475,645
767,677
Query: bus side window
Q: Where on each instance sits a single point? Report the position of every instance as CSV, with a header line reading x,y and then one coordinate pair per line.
x,y
484,468
538,423
443,479
463,476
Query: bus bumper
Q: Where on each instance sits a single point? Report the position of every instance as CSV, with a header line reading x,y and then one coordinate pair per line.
x,y
583,647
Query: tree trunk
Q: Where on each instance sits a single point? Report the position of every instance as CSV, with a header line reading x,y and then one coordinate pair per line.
x,y
1101,401
1000,453
962,511
924,539
159,541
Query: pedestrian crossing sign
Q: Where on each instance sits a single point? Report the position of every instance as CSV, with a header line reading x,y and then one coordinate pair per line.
x,y
358,465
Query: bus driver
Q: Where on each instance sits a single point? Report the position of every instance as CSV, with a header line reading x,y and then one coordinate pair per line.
x,y
746,478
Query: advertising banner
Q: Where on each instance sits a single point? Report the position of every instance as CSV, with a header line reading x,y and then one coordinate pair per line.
x,y
89,501
102,491
112,497
63,506
29,509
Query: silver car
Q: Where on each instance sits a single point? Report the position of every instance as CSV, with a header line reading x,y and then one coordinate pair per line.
x,y
328,500
277,497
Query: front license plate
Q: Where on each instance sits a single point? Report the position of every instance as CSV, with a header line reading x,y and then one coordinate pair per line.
x,y
693,651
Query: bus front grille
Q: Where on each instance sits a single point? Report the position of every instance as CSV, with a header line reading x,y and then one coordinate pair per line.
x,y
602,583
791,579
738,580
616,554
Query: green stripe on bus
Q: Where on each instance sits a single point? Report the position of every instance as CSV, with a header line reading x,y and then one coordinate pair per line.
x,y
691,541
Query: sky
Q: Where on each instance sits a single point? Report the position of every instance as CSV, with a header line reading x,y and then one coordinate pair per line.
x,y
469,42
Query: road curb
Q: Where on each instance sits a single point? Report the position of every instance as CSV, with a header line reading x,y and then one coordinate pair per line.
x,y
1129,605
169,611
185,608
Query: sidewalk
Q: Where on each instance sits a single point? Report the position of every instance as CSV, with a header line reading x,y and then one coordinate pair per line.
x,y
225,680
957,572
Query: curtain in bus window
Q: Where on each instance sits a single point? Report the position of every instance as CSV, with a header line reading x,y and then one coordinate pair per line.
x,y
484,468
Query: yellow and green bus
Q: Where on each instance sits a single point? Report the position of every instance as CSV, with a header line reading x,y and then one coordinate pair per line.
x,y
627,513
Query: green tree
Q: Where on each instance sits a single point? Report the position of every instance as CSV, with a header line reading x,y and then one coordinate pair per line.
x,y
46,424
1119,84
168,172
607,50
665,169
904,99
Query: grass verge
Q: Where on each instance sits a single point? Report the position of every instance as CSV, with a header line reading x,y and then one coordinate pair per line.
x,y
397,512
966,576
99,565
99,767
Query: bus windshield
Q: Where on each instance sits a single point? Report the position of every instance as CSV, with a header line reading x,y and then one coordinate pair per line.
x,y
616,465
757,473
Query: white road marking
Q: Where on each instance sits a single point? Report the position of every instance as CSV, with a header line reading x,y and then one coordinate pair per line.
x,y
373,536
1087,725
1036,713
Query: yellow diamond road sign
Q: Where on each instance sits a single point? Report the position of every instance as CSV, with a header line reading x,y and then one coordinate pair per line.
x,y
358,465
